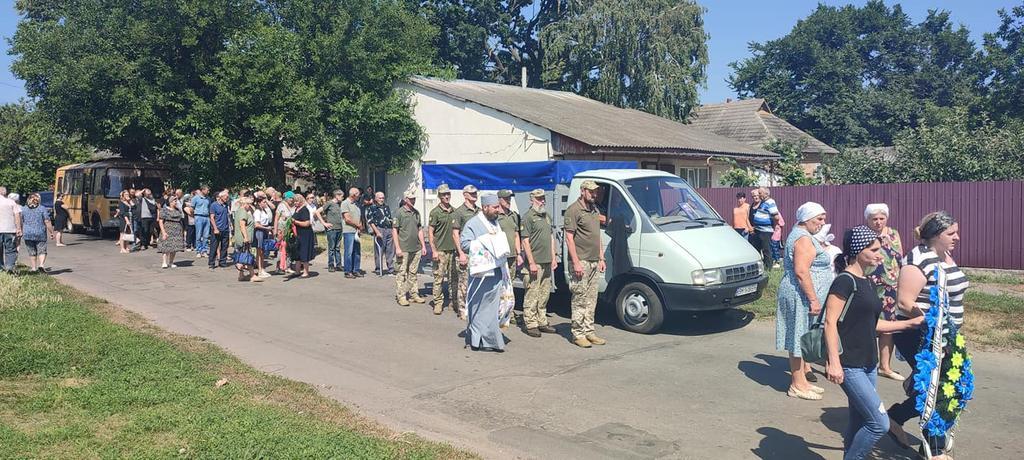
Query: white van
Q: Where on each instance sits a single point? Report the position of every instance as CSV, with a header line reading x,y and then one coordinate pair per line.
x,y
666,249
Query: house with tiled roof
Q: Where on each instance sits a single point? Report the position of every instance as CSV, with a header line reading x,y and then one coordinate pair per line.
x,y
752,122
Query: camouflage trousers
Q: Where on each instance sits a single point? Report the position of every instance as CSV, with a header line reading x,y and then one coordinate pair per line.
x,y
584,298
444,268
512,273
407,264
459,296
535,302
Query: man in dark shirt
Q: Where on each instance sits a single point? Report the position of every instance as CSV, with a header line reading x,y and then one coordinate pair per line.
x,y
220,220
378,217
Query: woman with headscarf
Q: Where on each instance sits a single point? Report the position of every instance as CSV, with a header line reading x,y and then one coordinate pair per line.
x,y
939,235
263,217
281,219
805,282
36,227
885,276
172,233
61,217
303,222
851,319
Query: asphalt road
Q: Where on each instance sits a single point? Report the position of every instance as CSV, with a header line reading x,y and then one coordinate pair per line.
x,y
710,387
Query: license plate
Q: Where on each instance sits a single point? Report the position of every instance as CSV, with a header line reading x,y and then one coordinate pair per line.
x,y
746,290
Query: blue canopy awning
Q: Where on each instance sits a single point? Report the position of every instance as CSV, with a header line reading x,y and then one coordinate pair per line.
x,y
517,177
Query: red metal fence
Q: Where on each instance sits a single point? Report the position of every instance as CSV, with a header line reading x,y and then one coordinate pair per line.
x,y
991,214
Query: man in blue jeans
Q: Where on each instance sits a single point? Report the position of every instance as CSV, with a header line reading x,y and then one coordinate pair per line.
x,y
201,210
334,222
353,224
220,218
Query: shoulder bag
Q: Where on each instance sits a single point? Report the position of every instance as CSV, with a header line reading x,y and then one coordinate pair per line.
x,y
812,343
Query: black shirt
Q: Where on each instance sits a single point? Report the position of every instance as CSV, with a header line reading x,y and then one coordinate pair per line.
x,y
857,329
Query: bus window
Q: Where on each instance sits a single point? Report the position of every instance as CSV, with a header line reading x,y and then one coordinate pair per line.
x,y
117,179
99,182
75,182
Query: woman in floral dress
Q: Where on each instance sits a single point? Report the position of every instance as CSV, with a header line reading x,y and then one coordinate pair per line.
x,y
885,278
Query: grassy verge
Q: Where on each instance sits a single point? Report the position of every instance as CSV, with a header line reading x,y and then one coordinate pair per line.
x,y
993,319
82,379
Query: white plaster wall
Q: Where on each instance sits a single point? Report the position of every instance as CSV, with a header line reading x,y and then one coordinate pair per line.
x,y
461,132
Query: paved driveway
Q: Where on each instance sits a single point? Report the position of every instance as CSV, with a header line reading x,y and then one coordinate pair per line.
x,y
703,388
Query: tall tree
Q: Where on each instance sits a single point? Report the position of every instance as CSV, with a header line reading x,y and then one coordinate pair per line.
x,y
1004,60
858,75
221,88
32,148
649,55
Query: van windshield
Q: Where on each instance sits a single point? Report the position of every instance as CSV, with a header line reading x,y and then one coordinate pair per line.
x,y
670,199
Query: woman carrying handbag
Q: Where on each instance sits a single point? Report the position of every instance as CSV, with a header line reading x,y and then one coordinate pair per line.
x,y
852,309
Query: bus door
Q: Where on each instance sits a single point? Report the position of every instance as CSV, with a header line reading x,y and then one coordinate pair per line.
x,y
86,195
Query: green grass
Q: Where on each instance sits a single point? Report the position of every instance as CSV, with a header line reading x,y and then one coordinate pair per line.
x,y
80,378
995,320
765,307
994,277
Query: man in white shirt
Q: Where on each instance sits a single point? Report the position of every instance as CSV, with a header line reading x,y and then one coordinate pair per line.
x,y
10,229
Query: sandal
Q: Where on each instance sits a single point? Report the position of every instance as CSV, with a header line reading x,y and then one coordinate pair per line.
x,y
808,395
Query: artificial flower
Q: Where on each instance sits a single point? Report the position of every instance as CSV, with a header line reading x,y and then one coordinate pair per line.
x,y
957,360
953,374
960,341
948,390
953,405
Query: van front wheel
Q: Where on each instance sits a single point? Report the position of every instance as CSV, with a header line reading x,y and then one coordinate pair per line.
x,y
639,308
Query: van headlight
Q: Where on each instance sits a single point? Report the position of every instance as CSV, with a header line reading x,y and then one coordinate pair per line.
x,y
706,277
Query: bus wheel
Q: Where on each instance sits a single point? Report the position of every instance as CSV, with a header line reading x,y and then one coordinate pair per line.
x,y
639,308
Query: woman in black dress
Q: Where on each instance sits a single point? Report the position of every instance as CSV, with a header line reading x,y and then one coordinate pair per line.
x,y
304,235
60,219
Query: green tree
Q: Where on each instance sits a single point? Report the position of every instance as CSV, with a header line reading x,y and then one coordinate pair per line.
x,y
790,167
738,176
32,148
649,55
950,145
218,89
859,75
1004,60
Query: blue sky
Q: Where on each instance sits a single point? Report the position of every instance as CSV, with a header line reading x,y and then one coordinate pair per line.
x,y
731,23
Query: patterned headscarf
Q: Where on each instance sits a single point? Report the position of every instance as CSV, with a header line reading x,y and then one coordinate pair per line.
x,y
858,239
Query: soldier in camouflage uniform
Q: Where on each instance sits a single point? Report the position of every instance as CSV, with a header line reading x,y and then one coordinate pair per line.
x,y
442,246
539,251
462,215
508,221
583,241
409,248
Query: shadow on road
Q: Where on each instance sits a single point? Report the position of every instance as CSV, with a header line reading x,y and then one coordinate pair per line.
x,y
772,372
779,444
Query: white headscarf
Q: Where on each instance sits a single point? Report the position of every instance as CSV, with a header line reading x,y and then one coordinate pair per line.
x,y
808,211
875,208
823,235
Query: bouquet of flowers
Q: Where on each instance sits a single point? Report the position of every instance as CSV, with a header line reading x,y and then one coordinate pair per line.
x,y
944,379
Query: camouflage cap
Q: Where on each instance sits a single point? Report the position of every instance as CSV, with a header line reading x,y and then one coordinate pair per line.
x,y
589,185
537,193
469,188
504,193
442,189
410,194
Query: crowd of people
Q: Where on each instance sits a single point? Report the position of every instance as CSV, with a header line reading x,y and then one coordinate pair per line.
x,y
870,296
869,293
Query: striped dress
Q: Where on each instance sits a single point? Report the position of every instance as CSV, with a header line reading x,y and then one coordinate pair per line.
x,y
925,259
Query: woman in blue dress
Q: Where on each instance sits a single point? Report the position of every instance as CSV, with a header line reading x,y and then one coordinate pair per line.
x,y
804,287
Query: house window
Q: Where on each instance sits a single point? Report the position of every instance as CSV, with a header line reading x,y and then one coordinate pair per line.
x,y
667,167
696,177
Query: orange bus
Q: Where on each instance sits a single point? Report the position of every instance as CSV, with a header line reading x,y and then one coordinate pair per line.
x,y
91,189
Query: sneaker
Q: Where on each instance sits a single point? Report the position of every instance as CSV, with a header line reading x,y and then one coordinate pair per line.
x,y
264,274
255,279
174,265
533,332
582,342
547,329
594,339
402,302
